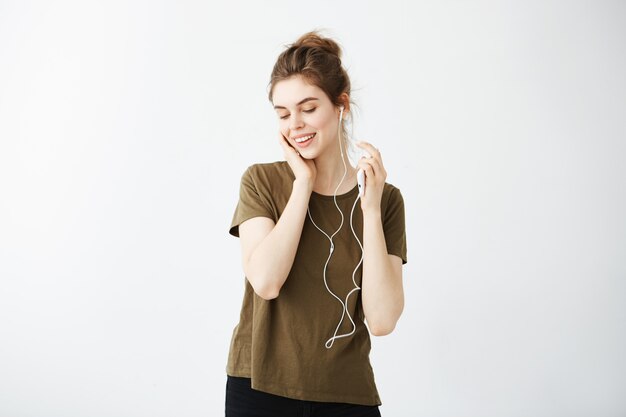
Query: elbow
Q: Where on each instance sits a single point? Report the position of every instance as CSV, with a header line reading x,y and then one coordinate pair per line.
x,y
382,330
383,326
267,294
263,289
260,284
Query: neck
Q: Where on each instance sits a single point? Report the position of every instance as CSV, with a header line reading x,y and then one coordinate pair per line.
x,y
330,169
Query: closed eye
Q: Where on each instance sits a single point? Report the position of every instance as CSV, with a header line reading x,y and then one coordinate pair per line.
x,y
306,111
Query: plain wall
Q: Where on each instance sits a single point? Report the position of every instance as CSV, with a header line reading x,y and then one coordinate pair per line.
x,y
125,128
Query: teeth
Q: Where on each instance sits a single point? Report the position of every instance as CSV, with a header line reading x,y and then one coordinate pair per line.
x,y
300,140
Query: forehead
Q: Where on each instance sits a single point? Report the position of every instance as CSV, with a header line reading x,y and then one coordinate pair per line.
x,y
289,92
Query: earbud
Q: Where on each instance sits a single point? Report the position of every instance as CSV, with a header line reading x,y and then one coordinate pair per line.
x,y
341,113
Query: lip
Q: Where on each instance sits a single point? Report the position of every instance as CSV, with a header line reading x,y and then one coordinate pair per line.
x,y
302,135
307,143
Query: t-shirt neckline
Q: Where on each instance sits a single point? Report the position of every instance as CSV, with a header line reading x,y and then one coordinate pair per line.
x,y
347,194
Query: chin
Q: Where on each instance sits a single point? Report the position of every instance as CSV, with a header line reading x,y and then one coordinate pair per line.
x,y
308,154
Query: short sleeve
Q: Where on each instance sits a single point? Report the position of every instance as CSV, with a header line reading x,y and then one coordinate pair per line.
x,y
251,202
394,225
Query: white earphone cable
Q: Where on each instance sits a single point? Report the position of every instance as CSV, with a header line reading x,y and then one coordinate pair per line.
x,y
331,341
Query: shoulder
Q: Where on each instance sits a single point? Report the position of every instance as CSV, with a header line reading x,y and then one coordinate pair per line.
x,y
269,177
271,170
392,202
391,193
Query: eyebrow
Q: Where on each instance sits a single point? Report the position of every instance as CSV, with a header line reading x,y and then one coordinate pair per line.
x,y
300,102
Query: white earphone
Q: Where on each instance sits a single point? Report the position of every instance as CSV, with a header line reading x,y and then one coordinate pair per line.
x,y
331,341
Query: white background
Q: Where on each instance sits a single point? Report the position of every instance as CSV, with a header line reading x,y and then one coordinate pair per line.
x,y
125,128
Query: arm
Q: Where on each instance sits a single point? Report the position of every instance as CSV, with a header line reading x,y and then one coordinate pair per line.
x,y
268,250
382,293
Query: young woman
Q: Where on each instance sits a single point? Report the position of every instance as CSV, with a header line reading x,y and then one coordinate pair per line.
x,y
319,258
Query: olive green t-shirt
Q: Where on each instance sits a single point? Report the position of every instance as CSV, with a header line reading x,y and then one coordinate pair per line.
x,y
281,343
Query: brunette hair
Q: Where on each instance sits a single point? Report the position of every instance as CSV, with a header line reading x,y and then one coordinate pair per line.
x,y
318,60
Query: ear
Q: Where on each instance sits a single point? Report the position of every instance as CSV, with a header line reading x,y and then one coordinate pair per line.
x,y
344,99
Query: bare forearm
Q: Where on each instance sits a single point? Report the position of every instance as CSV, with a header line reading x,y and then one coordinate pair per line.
x,y
381,289
272,259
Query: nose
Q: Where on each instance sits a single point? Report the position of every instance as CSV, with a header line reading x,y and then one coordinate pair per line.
x,y
294,121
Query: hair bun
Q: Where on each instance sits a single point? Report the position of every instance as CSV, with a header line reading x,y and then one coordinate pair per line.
x,y
314,40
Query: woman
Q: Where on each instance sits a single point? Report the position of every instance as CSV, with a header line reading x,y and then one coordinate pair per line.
x,y
316,268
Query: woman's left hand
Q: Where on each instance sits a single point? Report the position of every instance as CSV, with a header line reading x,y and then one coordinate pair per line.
x,y
375,176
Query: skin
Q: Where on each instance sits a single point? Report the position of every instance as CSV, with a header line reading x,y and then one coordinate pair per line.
x,y
268,249
319,163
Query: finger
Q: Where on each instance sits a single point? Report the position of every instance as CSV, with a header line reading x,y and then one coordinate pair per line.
x,y
286,145
376,162
367,166
284,142
374,152
281,139
377,169
373,155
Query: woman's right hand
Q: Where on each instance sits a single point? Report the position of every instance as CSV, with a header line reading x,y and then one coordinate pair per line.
x,y
303,169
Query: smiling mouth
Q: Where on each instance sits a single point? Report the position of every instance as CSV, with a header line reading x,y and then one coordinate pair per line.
x,y
304,138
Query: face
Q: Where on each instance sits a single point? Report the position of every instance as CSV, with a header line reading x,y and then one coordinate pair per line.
x,y
303,110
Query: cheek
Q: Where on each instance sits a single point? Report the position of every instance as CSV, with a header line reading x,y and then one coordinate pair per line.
x,y
320,122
